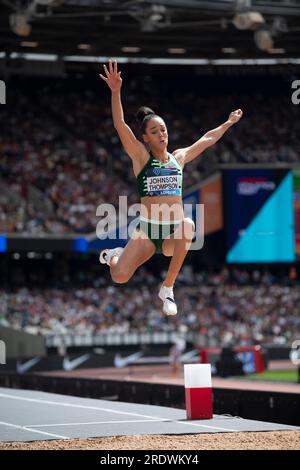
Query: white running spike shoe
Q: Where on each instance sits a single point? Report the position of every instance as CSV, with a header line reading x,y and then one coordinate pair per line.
x,y
167,296
106,255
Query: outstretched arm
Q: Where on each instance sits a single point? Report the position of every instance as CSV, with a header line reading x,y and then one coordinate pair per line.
x,y
207,140
132,146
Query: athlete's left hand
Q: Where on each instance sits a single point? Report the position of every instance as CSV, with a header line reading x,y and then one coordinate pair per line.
x,y
235,116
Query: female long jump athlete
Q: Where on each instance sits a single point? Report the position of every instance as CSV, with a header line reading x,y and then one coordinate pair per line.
x,y
162,226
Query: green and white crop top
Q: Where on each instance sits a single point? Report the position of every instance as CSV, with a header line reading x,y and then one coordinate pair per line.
x,y
160,179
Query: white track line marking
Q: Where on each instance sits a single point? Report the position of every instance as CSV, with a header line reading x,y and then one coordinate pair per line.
x,y
153,418
24,428
57,403
206,426
126,422
98,422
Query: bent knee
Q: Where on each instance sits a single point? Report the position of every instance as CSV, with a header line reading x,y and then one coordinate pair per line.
x,y
188,227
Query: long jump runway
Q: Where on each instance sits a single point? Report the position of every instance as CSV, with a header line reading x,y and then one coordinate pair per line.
x,y
27,415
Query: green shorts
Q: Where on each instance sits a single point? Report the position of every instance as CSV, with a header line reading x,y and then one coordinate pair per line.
x,y
157,231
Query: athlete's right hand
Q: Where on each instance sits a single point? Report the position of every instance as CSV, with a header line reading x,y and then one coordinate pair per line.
x,y
113,77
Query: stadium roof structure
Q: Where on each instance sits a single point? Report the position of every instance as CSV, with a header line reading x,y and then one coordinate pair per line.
x,y
190,29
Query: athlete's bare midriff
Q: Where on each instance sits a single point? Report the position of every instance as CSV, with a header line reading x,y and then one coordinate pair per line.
x,y
162,208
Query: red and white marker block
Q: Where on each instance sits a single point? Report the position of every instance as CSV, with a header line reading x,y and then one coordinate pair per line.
x,y
198,391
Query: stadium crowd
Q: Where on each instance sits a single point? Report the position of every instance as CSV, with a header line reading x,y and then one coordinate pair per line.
x,y
237,307
61,142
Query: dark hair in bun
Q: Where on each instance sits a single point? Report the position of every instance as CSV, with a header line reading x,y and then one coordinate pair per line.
x,y
144,115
